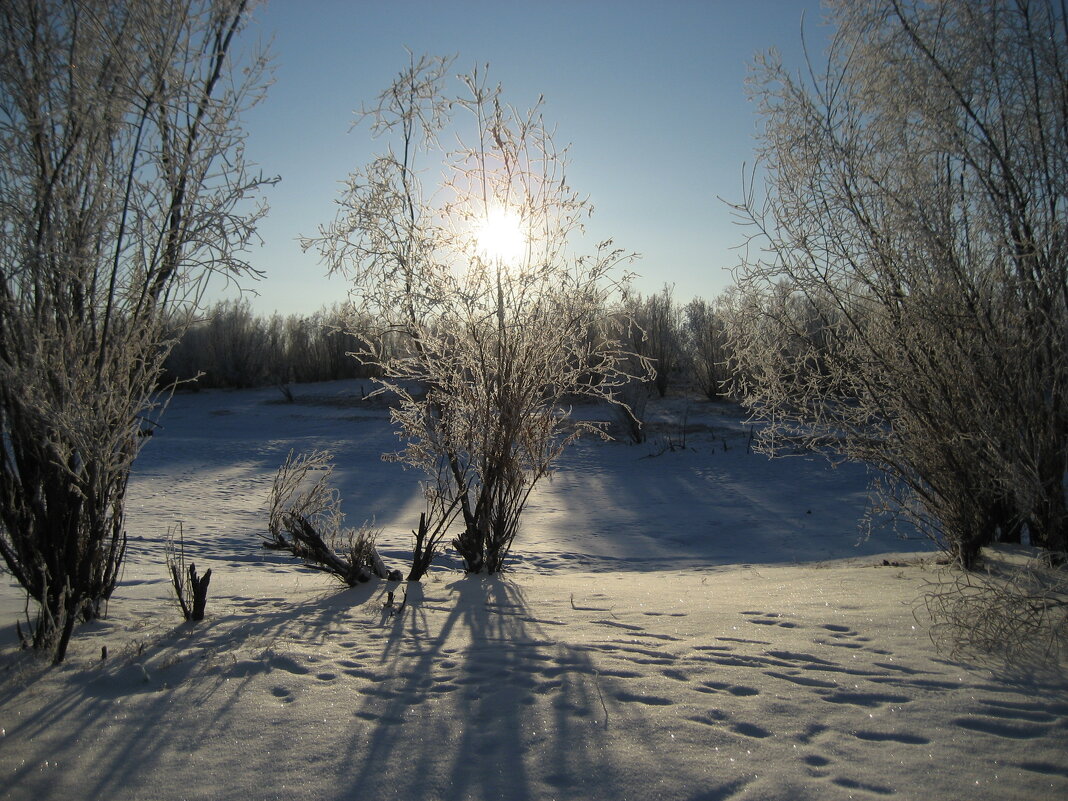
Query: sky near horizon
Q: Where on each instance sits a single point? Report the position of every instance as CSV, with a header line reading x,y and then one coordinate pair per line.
x,y
650,95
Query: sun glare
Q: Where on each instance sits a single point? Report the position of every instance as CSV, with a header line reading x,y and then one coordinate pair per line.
x,y
500,236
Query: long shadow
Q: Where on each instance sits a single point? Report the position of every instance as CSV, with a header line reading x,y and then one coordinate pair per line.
x,y
460,706
199,659
466,693
610,507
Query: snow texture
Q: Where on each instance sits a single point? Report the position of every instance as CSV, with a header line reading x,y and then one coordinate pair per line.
x,y
698,625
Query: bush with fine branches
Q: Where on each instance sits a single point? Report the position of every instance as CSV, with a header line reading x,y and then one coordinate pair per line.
x,y
1017,613
475,282
305,519
905,298
122,189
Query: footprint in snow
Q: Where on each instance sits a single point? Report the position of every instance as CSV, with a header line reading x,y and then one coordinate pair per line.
x,y
751,730
771,619
891,737
868,700
853,784
614,624
711,717
288,665
282,694
804,681
649,700
999,727
733,689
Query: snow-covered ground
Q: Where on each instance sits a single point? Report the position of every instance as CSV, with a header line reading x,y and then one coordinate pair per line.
x,y
698,624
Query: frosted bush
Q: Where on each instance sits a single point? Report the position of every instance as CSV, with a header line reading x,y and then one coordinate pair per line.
x,y
493,319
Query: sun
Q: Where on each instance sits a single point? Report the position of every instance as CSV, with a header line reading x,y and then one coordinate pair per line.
x,y
500,237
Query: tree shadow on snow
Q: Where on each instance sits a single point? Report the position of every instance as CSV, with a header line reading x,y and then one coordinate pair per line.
x,y
460,709
184,689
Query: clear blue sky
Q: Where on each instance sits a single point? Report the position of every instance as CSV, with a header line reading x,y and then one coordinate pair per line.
x,y
650,95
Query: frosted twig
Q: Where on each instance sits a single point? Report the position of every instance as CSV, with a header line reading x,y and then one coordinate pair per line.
x,y
597,684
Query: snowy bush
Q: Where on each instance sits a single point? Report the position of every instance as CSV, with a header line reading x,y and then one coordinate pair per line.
x,y
305,520
122,189
905,297
477,279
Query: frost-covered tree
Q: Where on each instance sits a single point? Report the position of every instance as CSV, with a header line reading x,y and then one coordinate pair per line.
x,y
905,301
704,343
122,187
477,276
658,334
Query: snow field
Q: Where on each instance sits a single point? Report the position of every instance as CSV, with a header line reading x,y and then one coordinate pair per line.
x,y
697,625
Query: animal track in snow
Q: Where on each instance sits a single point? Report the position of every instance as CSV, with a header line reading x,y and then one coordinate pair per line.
x,y
288,665
652,636
677,675
803,681
363,673
711,717
1024,711
368,715
769,619
1042,768
733,689
615,624
999,727
892,737
813,731
282,694
651,700
853,784
751,730
841,644
717,717
868,700
620,674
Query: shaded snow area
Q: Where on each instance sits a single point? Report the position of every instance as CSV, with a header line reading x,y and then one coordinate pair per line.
x,y
698,624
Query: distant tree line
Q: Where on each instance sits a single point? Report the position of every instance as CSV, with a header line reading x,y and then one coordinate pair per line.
x,y
229,345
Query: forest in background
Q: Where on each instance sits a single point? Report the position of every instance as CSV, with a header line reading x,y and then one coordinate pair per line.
x,y
231,345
